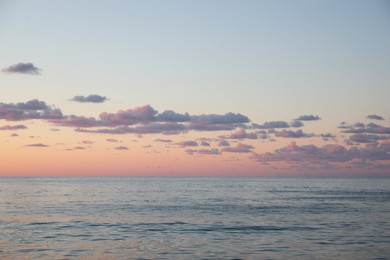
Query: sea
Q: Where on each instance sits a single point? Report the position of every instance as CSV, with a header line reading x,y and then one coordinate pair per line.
x,y
194,218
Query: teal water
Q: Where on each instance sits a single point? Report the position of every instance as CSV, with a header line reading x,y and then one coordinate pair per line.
x,y
194,218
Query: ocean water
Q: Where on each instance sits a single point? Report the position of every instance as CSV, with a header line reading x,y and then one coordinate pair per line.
x,y
194,218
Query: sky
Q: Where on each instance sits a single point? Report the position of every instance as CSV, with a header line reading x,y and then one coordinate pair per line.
x,y
195,88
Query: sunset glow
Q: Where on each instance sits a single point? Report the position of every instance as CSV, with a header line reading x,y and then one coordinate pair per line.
x,y
238,89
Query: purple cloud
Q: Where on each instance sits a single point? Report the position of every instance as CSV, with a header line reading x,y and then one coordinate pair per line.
x,y
375,117
308,118
33,109
228,118
77,121
142,114
163,140
296,123
121,148
367,138
292,134
37,145
370,128
203,151
271,124
89,99
223,142
331,153
187,143
328,136
240,148
112,140
23,68
171,116
13,127
204,143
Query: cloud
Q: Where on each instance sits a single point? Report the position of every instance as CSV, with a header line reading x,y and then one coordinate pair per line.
x,y
240,148
14,135
213,127
271,124
292,134
171,116
78,148
228,118
77,121
328,136
33,109
375,117
121,148
13,127
163,140
367,138
331,153
203,151
204,143
142,114
223,142
87,142
146,119
187,143
23,68
37,145
296,123
370,128
89,99
112,140
308,118
242,134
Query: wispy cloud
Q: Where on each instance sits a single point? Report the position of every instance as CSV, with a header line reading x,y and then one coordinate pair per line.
x,y
163,140
37,145
23,68
203,151
121,148
187,143
89,99
13,127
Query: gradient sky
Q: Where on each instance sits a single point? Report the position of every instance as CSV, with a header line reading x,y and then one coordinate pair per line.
x,y
195,88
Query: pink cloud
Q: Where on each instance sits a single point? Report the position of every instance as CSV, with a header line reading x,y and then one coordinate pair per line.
x,y
13,127
37,145
121,148
242,134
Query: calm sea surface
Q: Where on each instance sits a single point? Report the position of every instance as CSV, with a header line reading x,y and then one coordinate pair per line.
x,y
194,218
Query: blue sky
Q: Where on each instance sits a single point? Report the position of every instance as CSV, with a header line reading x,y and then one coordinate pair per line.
x,y
268,60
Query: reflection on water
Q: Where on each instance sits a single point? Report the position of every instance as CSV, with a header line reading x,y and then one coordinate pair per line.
x,y
181,218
